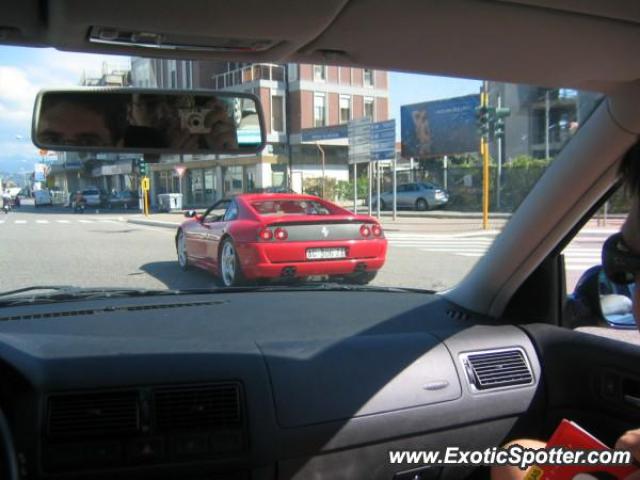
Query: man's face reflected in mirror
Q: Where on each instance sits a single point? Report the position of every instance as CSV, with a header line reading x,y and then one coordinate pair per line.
x,y
72,123
140,120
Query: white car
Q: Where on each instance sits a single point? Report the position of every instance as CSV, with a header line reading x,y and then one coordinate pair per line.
x,y
42,197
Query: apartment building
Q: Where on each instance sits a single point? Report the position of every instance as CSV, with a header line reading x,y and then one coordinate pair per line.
x,y
297,100
541,120
322,100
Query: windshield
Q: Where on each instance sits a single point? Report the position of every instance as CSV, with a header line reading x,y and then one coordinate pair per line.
x,y
291,207
401,148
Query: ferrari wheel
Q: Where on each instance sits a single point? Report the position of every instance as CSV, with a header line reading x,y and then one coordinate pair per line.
x,y
229,265
181,247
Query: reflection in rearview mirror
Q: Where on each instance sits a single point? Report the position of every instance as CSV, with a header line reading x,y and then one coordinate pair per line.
x,y
148,121
615,302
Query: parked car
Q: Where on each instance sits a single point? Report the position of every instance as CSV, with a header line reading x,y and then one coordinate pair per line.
x,y
42,197
281,236
419,196
125,199
94,197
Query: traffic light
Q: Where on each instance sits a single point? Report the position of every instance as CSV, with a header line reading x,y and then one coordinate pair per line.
x,y
482,120
498,126
502,112
143,168
498,129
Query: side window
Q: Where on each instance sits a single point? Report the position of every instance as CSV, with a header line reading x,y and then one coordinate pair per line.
x,y
402,188
216,212
231,213
593,299
413,188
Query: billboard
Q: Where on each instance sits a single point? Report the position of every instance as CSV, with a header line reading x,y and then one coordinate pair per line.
x,y
39,172
440,127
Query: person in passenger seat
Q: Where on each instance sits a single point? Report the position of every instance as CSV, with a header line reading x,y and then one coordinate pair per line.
x,y
625,246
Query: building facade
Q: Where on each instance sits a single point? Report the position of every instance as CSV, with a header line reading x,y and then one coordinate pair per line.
x,y
295,99
541,120
73,171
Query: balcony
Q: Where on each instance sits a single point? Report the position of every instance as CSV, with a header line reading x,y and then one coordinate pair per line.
x,y
248,74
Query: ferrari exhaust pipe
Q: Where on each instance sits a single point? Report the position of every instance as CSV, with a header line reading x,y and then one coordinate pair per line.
x,y
288,272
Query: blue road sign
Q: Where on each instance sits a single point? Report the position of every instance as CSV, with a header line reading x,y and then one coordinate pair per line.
x,y
324,133
383,140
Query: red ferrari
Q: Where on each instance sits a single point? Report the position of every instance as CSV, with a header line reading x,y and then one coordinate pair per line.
x,y
281,236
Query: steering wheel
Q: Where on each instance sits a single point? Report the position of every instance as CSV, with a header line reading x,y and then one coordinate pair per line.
x,y
8,459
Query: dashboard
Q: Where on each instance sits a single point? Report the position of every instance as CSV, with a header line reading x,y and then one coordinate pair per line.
x,y
259,385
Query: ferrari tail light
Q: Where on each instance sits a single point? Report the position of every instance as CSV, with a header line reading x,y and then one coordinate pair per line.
x,y
365,231
280,234
376,230
265,234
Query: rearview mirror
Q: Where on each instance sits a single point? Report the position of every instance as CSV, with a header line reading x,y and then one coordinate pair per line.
x,y
190,213
148,121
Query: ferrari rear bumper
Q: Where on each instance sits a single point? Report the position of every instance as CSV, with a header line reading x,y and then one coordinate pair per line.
x,y
277,260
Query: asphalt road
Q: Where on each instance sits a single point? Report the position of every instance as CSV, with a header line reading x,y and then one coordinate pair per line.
x,y
54,246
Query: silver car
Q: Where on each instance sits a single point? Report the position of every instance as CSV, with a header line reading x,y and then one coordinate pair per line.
x,y
419,196
93,197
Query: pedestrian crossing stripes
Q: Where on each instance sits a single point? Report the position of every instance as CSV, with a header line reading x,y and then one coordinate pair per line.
x,y
49,222
582,253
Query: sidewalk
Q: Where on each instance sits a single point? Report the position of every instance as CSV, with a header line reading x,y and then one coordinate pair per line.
x,y
418,222
413,223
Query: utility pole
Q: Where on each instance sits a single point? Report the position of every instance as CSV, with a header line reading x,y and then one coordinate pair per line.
x,y
323,167
370,174
547,107
484,151
499,179
445,167
287,124
355,188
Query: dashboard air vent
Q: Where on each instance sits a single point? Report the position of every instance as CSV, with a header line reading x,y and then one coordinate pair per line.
x,y
93,414
197,407
497,368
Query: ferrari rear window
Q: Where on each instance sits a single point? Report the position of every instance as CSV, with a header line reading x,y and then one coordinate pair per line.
x,y
291,207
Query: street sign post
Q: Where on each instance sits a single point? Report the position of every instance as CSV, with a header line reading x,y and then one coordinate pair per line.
x,y
383,147
370,142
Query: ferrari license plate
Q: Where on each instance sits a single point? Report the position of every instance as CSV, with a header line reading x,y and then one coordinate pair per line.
x,y
326,253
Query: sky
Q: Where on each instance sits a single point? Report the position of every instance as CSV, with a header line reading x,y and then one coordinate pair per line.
x,y
24,71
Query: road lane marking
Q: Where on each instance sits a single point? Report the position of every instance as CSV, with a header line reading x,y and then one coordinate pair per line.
x,y
19,221
85,221
42,221
63,221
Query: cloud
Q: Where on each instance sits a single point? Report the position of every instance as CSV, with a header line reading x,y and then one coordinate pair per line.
x,y
17,92
20,81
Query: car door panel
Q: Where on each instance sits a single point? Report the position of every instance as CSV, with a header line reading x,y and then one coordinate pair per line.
x,y
590,379
194,237
401,199
212,242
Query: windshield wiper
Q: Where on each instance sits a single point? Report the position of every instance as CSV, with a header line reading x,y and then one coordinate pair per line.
x,y
65,293
322,286
34,288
